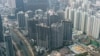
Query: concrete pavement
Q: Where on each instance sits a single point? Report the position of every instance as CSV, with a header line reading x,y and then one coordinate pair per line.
x,y
18,51
23,38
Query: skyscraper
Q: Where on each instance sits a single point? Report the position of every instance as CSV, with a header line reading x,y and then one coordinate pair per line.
x,y
56,35
52,17
50,37
72,15
67,13
0,52
54,4
37,4
3,49
77,20
63,3
43,36
32,28
61,14
19,5
96,28
22,22
93,27
29,13
67,27
1,30
9,46
84,21
90,25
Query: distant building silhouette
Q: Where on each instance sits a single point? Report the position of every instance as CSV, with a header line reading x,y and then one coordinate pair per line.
x,y
37,4
19,5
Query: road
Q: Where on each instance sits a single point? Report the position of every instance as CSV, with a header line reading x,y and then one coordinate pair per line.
x,y
26,47
23,38
16,47
21,45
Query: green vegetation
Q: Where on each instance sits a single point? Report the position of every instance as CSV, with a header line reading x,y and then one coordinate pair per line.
x,y
88,41
95,43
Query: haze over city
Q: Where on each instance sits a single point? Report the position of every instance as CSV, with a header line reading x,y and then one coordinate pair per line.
x,y
49,27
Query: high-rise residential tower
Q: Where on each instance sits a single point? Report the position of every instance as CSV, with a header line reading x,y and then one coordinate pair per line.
x,y
22,22
67,30
20,5
1,30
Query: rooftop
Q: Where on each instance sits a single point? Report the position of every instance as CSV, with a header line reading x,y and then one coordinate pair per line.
x,y
77,49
